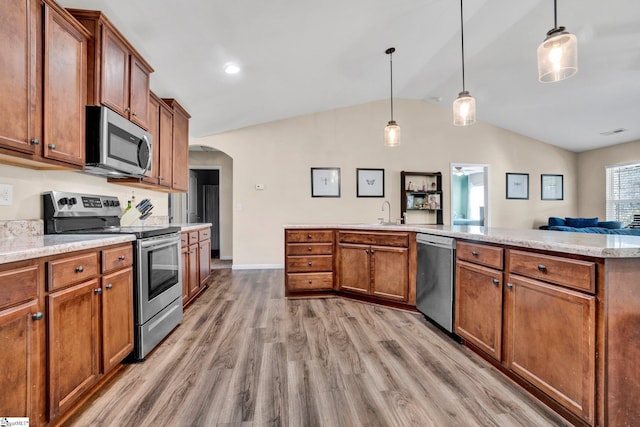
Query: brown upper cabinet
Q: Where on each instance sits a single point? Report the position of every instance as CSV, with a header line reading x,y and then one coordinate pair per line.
x,y
118,75
43,85
180,154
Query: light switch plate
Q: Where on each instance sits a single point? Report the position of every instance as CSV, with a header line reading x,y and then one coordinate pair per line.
x,y
6,194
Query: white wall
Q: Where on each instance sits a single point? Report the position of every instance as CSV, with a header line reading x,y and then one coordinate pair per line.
x,y
280,155
592,191
28,186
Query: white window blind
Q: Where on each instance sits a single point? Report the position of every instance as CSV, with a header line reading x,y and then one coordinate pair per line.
x,y
623,192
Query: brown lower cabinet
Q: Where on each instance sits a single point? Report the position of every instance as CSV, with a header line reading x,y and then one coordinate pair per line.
x,y
196,263
57,355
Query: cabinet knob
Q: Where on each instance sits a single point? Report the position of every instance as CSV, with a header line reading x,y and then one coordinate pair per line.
x,y
52,146
79,269
310,281
128,110
509,285
35,141
97,291
109,286
134,114
310,263
37,316
542,268
474,253
309,236
121,257
310,249
495,281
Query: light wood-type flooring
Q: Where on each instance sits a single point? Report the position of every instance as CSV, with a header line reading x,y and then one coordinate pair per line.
x,y
246,356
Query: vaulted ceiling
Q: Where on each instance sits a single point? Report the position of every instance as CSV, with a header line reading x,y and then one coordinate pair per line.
x,y
299,57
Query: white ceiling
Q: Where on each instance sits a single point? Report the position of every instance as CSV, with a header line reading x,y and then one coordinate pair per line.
x,y
301,56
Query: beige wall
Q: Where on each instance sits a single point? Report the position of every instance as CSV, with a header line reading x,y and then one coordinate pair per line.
x,y
28,186
280,155
224,163
592,191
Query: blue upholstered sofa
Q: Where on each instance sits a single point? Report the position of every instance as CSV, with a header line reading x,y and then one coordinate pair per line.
x,y
588,225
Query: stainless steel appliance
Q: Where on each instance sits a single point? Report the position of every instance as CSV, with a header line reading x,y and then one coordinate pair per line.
x,y
115,146
434,279
157,262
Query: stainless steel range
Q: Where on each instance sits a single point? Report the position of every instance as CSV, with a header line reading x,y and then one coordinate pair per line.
x,y
157,260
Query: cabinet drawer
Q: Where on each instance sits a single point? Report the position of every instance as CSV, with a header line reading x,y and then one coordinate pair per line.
x,y
311,236
380,239
489,256
572,273
184,239
297,264
193,237
18,285
310,281
204,234
310,249
117,258
70,270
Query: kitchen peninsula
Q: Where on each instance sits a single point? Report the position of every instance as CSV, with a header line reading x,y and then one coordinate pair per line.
x,y
559,313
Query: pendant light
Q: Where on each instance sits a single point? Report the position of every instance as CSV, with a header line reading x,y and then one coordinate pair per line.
x,y
464,107
558,53
392,131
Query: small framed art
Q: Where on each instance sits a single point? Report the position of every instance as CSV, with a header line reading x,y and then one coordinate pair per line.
x,y
325,182
551,187
370,182
518,186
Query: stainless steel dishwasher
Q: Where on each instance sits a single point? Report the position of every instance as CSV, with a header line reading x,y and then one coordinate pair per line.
x,y
434,279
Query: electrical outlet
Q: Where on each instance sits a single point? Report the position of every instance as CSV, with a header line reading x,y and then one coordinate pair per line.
x,y
6,194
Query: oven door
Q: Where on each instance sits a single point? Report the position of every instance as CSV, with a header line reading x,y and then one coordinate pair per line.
x,y
159,275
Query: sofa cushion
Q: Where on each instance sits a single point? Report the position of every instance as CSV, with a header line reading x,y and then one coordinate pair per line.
x,y
581,222
555,221
610,224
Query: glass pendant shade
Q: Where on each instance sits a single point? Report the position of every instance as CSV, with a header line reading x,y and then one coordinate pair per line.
x,y
557,56
464,109
392,134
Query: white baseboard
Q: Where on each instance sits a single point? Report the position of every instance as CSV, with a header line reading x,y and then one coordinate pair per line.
x,y
256,266
226,258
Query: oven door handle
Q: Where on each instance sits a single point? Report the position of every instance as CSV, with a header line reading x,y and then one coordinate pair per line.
x,y
159,244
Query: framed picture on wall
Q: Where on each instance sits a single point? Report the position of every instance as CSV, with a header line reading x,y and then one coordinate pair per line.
x,y
370,182
325,182
551,187
518,186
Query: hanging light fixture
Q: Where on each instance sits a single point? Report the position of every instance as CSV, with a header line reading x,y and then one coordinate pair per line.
x,y
392,130
558,53
464,107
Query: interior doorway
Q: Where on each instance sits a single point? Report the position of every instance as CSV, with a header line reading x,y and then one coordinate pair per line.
x,y
470,194
203,203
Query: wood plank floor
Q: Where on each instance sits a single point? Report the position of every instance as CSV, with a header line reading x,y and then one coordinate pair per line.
x,y
246,356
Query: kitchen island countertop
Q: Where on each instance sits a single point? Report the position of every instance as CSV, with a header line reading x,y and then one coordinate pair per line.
x,y
596,245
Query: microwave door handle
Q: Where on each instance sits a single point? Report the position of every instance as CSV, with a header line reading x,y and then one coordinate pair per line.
x,y
148,165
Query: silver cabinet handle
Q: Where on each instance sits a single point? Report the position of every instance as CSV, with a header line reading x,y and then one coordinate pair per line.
x,y
52,146
35,141
495,281
97,291
127,109
134,114
474,253
310,249
37,316
542,268
121,257
79,269
509,285
109,286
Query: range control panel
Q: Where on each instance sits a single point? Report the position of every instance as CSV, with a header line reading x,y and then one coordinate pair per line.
x,y
61,203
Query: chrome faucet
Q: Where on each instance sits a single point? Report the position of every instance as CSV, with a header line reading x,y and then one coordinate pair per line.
x,y
389,205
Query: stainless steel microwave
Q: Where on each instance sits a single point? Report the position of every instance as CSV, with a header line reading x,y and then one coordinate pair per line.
x,y
115,146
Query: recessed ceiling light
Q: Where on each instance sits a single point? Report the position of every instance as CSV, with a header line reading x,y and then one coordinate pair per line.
x,y
231,68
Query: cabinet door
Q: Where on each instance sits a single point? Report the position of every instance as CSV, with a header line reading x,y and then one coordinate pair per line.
x,y
390,273
354,271
153,121
194,283
139,93
166,148
180,174
73,344
115,73
479,307
550,341
65,73
204,262
185,273
19,33
117,317
19,365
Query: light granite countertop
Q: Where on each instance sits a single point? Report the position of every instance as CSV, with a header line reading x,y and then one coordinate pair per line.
x,y
596,245
28,247
192,226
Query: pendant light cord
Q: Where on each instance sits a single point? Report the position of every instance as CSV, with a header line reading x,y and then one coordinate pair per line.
x,y
462,42
391,74
555,14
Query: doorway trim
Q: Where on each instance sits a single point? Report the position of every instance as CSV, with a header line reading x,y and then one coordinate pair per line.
x,y
487,189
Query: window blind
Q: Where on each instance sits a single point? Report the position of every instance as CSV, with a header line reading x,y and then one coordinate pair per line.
x,y
623,192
